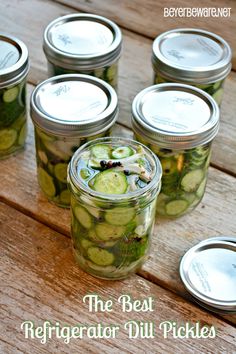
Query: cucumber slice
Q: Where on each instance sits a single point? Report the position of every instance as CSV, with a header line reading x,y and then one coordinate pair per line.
x,y
218,95
65,197
122,152
7,138
101,151
44,136
176,207
93,211
85,173
217,85
43,157
46,182
52,147
11,94
201,189
60,171
100,256
111,72
93,236
94,164
169,166
110,182
107,232
119,216
191,181
83,217
22,134
86,243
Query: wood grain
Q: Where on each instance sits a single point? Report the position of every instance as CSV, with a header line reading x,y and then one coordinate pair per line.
x,y
135,69
40,282
147,18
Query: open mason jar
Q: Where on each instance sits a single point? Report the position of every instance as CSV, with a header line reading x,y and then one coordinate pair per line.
x,y
192,56
83,43
114,184
178,122
67,111
14,67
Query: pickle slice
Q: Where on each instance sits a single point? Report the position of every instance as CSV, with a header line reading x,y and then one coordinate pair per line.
x,y
119,216
7,138
110,182
100,256
46,182
83,217
176,207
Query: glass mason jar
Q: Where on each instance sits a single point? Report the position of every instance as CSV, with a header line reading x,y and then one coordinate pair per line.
x,y
14,67
83,43
114,184
67,111
192,56
178,123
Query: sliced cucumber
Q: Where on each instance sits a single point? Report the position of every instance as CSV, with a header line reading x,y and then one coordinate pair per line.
x,y
201,189
119,216
46,182
93,211
83,217
86,243
60,171
100,256
45,136
176,207
101,151
93,236
11,94
122,152
191,181
22,134
7,138
65,197
52,147
94,164
110,182
43,157
169,166
107,232
85,173
218,95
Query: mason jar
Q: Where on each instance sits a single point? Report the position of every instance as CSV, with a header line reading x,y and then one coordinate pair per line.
x,y
83,43
178,123
14,67
114,184
192,56
67,111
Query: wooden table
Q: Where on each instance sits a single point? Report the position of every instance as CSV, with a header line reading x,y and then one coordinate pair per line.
x,y
39,279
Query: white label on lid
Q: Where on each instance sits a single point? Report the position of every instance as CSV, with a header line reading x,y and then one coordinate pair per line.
x,y
81,37
213,278
175,111
191,50
9,55
72,100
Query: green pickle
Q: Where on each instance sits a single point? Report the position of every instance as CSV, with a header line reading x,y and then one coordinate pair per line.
x,y
112,206
53,154
215,89
107,73
13,128
183,180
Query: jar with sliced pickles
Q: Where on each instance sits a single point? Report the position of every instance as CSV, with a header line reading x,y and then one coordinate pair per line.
x,y
114,184
67,111
83,43
178,122
14,67
192,56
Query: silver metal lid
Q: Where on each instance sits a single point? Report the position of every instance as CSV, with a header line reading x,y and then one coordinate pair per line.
x,y
208,271
191,55
175,116
14,63
82,41
74,104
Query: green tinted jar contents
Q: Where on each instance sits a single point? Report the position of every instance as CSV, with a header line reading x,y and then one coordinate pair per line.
x,y
68,111
14,67
114,184
83,43
192,56
178,122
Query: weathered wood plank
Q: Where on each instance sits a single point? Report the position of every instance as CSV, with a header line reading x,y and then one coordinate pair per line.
x,y
135,68
214,216
147,18
40,282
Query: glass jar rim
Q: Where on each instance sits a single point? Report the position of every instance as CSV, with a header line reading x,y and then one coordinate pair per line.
x,y
119,198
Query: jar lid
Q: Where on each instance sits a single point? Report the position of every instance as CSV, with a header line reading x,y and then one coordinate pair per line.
x,y
211,282
74,104
175,116
82,41
192,55
14,63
